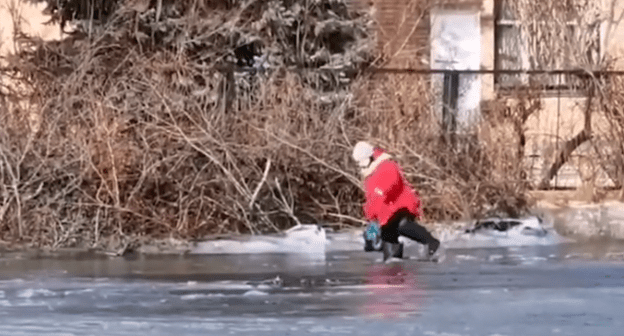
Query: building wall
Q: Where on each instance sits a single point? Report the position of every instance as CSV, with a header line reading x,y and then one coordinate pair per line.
x,y
560,118
612,31
546,131
33,21
402,32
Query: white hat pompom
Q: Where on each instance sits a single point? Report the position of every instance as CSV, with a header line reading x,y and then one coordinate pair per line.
x,y
362,153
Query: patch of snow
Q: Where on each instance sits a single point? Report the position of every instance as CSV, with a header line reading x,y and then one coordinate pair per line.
x,y
255,293
313,242
466,257
529,231
306,239
191,297
254,328
79,291
331,330
29,293
222,285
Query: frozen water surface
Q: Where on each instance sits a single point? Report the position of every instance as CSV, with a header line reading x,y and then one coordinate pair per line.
x,y
537,287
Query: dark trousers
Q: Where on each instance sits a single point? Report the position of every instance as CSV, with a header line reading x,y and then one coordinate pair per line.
x,y
404,224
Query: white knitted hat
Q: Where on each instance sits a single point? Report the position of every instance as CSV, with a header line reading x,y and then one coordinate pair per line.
x,y
362,153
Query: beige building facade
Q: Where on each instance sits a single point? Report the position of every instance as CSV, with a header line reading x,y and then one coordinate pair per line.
x,y
33,22
480,35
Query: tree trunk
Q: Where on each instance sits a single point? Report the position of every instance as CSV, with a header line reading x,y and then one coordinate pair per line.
x,y
518,122
569,146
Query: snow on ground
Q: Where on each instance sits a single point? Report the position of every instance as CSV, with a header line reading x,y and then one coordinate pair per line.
x,y
314,241
530,232
305,239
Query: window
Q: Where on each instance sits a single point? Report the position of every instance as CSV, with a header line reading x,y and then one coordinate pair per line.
x,y
568,41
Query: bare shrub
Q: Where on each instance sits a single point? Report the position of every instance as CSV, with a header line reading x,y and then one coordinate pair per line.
x,y
471,177
137,136
611,151
144,130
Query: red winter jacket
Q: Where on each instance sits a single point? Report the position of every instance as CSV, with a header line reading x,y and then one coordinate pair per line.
x,y
387,190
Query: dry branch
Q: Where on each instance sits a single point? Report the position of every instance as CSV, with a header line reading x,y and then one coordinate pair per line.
x,y
145,129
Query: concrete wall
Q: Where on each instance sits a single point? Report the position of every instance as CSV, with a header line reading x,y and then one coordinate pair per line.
x,y
32,23
550,127
487,48
562,118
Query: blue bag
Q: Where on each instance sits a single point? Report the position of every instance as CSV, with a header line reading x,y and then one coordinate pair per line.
x,y
372,237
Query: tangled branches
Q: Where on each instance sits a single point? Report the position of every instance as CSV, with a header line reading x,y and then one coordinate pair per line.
x,y
141,127
138,130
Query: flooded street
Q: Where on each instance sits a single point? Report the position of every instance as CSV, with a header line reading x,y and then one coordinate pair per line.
x,y
563,289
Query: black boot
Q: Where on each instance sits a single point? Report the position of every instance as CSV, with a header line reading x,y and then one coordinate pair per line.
x,y
433,245
392,250
409,228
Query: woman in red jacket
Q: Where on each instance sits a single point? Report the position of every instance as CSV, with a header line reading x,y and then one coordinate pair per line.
x,y
390,200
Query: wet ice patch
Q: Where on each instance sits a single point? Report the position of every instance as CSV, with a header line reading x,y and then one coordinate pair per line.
x,y
205,326
341,257
466,257
135,324
30,303
254,328
12,281
78,291
579,256
30,293
433,333
331,330
305,321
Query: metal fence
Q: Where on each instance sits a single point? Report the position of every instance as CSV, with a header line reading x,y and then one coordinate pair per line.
x,y
462,97
558,123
